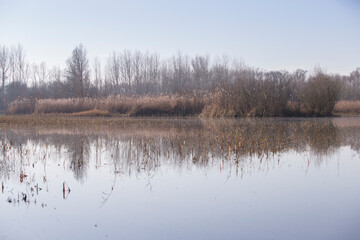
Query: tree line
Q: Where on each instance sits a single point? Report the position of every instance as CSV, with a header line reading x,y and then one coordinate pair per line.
x,y
135,73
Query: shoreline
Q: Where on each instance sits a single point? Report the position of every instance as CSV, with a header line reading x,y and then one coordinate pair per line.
x,y
54,120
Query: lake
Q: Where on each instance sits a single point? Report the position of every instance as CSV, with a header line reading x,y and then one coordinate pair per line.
x,y
182,178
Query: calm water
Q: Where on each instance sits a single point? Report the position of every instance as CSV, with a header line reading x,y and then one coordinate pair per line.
x,y
183,179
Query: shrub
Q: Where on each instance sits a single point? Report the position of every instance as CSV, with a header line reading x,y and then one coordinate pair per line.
x,y
22,106
248,97
320,94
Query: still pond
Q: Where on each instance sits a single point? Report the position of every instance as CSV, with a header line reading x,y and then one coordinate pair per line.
x,y
182,179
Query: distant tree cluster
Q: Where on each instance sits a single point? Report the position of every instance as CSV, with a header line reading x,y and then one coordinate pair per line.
x,y
132,73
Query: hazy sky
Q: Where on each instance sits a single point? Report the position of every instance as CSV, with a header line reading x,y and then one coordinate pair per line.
x,y
270,34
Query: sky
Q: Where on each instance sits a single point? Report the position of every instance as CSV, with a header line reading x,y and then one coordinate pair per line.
x,y
268,34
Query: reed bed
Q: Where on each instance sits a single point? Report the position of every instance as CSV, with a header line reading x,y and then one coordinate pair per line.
x,y
217,103
347,108
70,105
167,105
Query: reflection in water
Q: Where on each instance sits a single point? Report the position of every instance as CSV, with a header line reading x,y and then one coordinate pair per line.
x,y
78,148
238,146
180,143
235,177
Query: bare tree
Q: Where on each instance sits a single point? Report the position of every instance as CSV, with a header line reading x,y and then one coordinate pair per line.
x,y
181,73
35,74
19,72
137,63
39,76
12,63
354,80
77,72
57,87
126,68
4,67
200,71
43,73
220,71
165,76
153,69
20,67
55,74
146,69
112,77
97,74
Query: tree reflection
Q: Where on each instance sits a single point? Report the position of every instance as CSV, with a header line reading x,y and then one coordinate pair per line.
x,y
144,147
79,149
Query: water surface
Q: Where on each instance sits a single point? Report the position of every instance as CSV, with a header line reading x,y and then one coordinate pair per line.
x,y
182,179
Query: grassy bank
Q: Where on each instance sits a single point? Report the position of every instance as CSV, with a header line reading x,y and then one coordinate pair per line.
x,y
207,105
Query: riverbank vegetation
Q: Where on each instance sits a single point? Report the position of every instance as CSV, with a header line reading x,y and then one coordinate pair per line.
x,y
142,84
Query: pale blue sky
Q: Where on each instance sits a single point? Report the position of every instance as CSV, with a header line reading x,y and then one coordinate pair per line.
x,y
273,35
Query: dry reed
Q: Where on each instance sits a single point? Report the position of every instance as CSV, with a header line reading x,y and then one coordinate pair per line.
x,y
166,105
92,113
347,107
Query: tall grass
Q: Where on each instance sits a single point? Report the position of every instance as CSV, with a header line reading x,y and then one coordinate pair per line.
x,y
22,106
154,105
347,107
172,105
70,105
167,105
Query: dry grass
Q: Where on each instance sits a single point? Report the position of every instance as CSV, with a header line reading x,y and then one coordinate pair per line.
x,y
70,105
21,106
347,108
92,113
68,121
167,105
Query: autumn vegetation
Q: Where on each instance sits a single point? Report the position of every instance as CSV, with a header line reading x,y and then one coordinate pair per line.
x,y
141,84
346,107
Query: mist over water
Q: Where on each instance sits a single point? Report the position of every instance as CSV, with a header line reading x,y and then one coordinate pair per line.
x,y
182,178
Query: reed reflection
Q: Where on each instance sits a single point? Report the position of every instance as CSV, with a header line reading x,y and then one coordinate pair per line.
x,y
136,149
